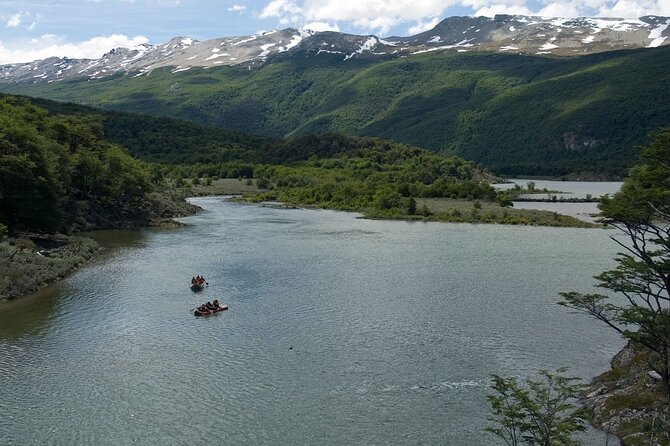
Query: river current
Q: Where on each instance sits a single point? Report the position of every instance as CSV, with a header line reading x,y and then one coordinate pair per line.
x,y
340,330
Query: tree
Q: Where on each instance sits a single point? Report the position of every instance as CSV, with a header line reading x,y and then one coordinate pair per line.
x,y
506,410
540,414
28,199
504,199
641,214
411,206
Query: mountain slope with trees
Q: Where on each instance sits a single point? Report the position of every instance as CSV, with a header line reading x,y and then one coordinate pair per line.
x,y
58,173
516,114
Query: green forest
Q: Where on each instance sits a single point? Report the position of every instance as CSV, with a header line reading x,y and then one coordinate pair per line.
x,y
514,114
59,174
67,168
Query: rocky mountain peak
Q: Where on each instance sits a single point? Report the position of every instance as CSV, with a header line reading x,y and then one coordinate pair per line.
x,y
502,33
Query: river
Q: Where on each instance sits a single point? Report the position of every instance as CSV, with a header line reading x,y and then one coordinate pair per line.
x,y
564,189
340,330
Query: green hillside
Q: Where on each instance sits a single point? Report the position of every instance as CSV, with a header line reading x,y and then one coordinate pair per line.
x,y
516,114
58,173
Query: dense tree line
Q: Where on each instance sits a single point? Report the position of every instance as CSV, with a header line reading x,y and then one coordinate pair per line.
x,y
61,158
349,173
57,172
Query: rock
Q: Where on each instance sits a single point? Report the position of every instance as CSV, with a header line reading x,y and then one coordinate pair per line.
x,y
654,375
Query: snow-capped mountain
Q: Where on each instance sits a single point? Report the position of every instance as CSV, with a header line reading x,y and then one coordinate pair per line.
x,y
503,33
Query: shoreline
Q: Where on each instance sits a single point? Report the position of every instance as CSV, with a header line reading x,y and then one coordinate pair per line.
x,y
627,401
36,271
32,262
85,250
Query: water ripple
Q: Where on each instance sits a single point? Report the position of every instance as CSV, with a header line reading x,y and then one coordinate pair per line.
x,y
340,331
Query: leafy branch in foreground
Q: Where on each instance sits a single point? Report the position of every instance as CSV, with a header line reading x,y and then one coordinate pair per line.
x,y
641,213
541,413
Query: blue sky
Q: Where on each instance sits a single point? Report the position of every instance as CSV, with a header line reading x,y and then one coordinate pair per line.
x,y
32,29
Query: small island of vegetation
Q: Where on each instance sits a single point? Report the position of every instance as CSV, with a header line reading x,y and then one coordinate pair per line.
x,y
66,169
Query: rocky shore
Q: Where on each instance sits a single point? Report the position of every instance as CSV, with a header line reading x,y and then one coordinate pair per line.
x,y
30,262
628,401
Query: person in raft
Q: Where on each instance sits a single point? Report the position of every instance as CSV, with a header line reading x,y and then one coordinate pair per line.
x,y
193,280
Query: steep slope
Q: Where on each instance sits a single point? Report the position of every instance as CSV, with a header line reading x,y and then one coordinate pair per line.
x,y
513,113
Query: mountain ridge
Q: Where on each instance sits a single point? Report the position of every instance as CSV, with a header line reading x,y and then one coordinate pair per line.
x,y
516,114
502,33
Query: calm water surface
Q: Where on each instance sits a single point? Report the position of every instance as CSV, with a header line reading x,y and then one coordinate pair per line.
x,y
565,189
340,331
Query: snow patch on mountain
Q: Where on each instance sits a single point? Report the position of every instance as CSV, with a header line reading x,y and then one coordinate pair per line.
x,y
265,49
368,45
522,34
296,39
548,46
655,35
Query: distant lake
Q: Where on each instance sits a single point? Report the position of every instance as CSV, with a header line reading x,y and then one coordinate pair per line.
x,y
569,189
341,331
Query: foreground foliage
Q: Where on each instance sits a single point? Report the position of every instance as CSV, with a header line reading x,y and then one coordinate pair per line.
x,y
641,213
634,397
540,413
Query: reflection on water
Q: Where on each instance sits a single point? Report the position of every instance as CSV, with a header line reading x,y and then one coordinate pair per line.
x,y
120,238
340,331
29,314
32,313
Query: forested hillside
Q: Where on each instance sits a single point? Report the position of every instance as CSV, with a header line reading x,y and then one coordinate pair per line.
x,y
58,173
516,114
60,170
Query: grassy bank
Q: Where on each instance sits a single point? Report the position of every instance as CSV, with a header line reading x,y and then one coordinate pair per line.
x,y
427,209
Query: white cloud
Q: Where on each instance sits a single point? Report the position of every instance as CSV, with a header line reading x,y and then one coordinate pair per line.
x,y
321,26
50,45
14,20
27,19
422,26
491,9
280,8
630,9
557,9
34,23
379,16
368,15
237,8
